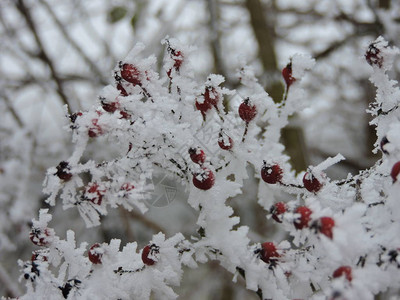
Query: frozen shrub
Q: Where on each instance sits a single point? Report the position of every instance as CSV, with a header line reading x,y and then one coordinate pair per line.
x,y
344,233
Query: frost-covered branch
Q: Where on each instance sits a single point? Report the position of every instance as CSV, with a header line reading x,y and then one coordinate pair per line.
x,y
340,246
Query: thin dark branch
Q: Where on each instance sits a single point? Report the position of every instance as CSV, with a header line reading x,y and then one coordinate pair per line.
x,y
141,218
332,48
12,110
25,12
61,27
84,15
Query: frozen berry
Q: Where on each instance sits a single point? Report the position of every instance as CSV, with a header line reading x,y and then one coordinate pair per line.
x,y
324,225
127,187
203,107
395,171
247,111
124,115
373,56
149,250
211,96
94,194
204,180
63,171
39,236
121,89
131,74
197,155
311,183
327,225
94,254
95,130
177,56
287,75
37,256
271,173
343,270
225,142
268,252
305,217
383,143
110,107
277,210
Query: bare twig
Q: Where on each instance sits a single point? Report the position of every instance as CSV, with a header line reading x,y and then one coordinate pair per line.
x,y
61,27
141,218
25,12
12,110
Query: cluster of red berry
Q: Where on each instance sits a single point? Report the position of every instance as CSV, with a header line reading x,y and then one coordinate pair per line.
x,y
322,225
129,75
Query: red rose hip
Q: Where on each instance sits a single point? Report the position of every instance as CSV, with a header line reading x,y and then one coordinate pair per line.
x,y
197,155
39,236
127,187
122,90
225,142
203,107
277,210
305,217
268,252
131,74
324,225
343,271
247,111
395,171
94,254
271,173
94,194
287,75
311,183
95,130
110,107
177,57
63,171
211,96
149,250
204,180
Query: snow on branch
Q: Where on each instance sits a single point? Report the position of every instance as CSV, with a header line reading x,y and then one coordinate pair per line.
x,y
344,238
